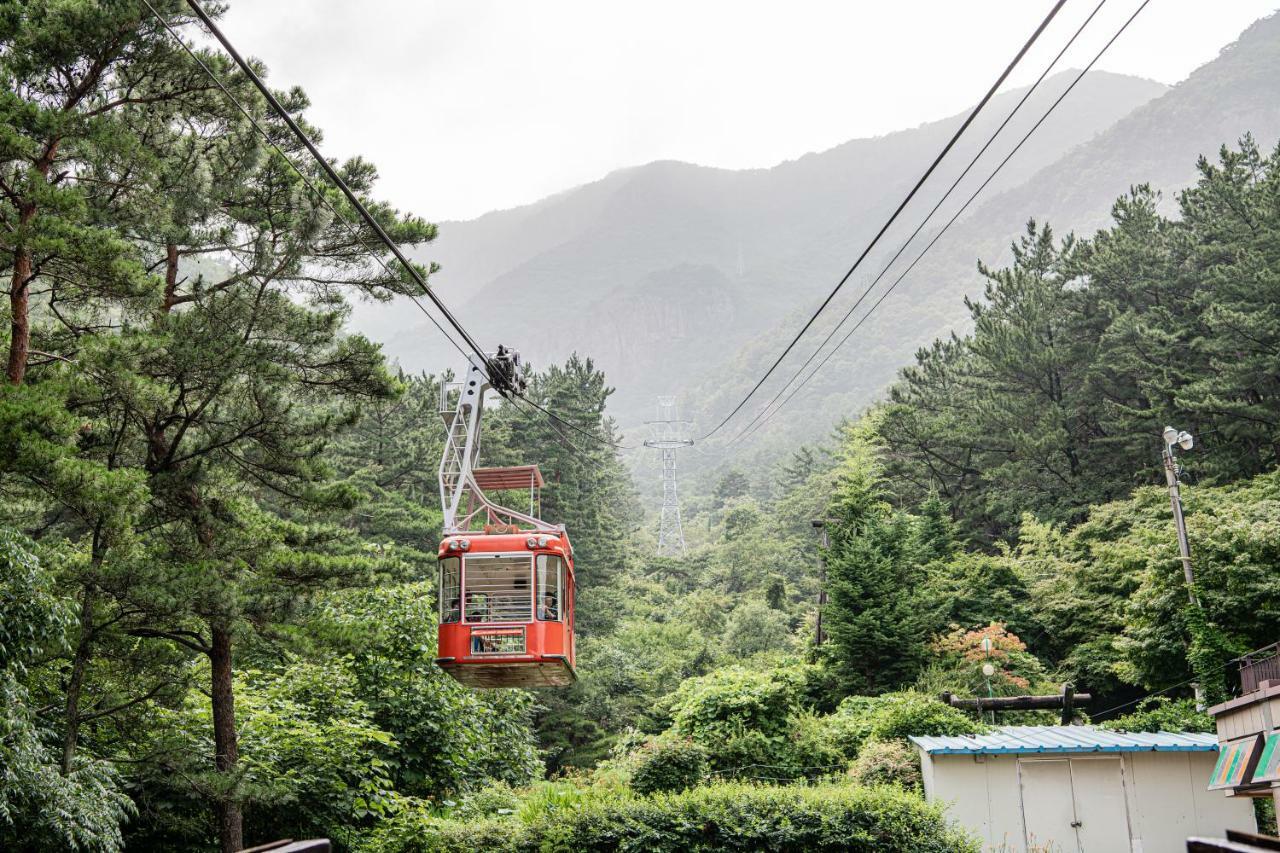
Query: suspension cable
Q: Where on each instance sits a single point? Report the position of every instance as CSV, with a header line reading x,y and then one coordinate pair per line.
x,y
316,191
338,181
906,243
919,183
951,221
493,375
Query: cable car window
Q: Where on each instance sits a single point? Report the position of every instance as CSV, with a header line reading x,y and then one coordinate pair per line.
x,y
550,588
497,589
450,589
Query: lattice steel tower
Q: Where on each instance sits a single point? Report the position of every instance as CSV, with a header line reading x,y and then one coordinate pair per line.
x,y
668,434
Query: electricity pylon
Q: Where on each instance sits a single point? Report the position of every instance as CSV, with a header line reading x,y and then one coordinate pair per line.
x,y
668,433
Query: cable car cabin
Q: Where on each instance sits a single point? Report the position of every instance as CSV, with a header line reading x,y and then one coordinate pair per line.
x,y
506,609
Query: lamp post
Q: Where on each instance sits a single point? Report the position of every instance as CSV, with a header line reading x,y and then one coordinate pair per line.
x,y
1181,438
988,670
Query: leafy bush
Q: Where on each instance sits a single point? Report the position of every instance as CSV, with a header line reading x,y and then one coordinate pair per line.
x,y
718,817
817,747
669,765
1160,714
887,762
732,699
755,627
741,717
312,760
906,714
850,726
496,798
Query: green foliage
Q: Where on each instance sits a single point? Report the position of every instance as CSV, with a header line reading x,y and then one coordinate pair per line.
x,y
493,800
879,616
449,739
41,807
717,817
754,627
891,762
1082,351
906,714
1113,598
313,761
669,764
1161,714
740,716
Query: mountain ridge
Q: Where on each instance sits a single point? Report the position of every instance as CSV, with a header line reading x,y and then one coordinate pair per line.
x,y
777,234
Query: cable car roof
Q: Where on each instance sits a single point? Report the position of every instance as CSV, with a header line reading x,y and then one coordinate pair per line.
x,y
513,477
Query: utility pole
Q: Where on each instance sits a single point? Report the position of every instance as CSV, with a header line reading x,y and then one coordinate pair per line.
x,y
824,542
669,433
1183,439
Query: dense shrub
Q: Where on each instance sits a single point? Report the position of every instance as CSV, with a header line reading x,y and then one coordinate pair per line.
x,y
887,762
732,699
669,765
906,714
741,717
719,817
1160,714
496,798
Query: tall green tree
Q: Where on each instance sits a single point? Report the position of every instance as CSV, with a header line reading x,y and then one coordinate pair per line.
x,y
75,75
876,618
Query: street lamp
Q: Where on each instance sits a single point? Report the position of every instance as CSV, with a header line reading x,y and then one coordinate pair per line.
x,y
1183,439
988,670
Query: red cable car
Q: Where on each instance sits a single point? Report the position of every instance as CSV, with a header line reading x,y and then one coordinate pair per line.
x,y
506,589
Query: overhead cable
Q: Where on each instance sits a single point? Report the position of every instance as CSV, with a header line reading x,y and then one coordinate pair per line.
x,y
885,269
319,194
382,235
951,221
910,195
338,181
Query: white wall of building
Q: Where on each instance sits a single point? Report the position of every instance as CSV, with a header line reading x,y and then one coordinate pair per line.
x,y
1136,802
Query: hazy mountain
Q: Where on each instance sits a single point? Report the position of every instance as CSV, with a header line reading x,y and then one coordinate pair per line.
x,y
664,272
1157,143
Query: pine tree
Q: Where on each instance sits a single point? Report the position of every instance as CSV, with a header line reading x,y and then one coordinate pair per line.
x,y
1232,224
76,74
875,618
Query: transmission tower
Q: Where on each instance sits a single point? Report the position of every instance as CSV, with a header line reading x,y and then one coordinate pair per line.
x,y
669,433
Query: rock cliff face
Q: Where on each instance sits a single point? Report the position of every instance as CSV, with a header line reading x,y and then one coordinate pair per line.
x,y
664,272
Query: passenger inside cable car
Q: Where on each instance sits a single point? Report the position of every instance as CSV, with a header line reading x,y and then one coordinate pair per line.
x,y
506,615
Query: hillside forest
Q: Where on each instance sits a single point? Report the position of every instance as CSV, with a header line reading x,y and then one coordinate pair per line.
x,y
220,510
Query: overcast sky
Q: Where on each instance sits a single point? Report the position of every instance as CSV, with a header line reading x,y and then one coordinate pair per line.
x,y
468,106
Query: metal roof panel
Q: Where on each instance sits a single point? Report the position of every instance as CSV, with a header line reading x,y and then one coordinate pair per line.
x,y
1018,740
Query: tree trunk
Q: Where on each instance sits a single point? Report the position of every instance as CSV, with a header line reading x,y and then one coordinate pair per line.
x,y
170,277
20,284
230,818
19,315
79,663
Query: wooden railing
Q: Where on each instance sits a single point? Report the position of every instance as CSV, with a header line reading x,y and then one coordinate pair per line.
x,y
1257,667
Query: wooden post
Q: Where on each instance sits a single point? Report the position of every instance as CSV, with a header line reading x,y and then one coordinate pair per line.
x,y
1067,701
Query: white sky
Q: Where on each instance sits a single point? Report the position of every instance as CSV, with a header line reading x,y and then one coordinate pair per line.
x,y
472,105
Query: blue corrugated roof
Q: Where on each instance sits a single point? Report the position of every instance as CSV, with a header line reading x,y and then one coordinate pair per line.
x,y
1029,739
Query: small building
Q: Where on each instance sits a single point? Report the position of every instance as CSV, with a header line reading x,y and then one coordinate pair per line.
x,y
1249,730
1079,788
